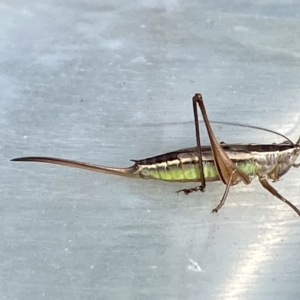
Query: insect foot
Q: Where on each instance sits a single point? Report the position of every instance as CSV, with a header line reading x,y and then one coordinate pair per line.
x,y
215,210
190,190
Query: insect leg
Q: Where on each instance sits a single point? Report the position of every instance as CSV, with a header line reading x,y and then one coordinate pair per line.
x,y
296,165
223,163
200,163
201,187
215,210
190,190
227,170
264,182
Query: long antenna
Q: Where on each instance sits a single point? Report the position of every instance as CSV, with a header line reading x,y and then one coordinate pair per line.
x,y
254,127
214,122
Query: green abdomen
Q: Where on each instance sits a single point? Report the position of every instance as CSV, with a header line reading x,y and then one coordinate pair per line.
x,y
184,170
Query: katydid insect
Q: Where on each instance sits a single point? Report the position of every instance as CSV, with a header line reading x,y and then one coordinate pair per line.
x,y
230,163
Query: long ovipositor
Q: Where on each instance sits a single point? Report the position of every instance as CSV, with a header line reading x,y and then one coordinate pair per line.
x,y
271,160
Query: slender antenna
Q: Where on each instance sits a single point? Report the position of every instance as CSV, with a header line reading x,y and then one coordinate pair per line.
x,y
254,127
215,122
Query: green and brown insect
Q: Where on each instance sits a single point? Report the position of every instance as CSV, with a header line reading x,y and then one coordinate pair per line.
x,y
230,163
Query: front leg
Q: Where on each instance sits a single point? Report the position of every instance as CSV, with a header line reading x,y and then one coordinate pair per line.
x,y
264,182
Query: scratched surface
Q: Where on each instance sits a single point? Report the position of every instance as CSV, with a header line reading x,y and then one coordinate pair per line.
x,y
107,81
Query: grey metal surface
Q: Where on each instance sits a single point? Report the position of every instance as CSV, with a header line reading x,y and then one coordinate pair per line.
x,y
103,81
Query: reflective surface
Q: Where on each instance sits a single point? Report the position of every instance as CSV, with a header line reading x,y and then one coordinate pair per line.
x,y
106,82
